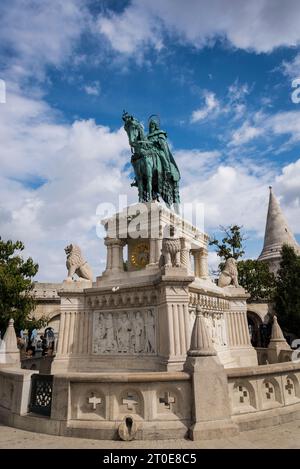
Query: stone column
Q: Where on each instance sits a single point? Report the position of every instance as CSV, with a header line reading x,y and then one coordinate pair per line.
x,y
155,252
121,257
238,327
158,244
152,253
185,254
196,255
173,320
73,318
239,342
114,255
108,245
203,263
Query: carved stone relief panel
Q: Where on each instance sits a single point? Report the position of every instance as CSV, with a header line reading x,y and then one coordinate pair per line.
x,y
243,396
172,401
271,393
124,332
215,322
291,388
130,402
88,402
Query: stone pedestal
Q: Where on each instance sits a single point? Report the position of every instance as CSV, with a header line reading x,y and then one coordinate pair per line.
x,y
211,411
139,318
211,403
237,328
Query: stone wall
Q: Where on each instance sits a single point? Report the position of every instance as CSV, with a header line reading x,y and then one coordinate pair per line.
x,y
159,404
15,388
264,395
264,359
96,405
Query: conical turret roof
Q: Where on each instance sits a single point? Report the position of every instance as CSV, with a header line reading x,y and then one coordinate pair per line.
x,y
201,343
277,233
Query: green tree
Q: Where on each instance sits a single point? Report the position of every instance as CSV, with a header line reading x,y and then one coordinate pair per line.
x,y
256,278
287,291
231,244
16,299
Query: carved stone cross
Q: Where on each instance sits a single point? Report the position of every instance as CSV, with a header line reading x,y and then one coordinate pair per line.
x,y
130,402
167,400
94,401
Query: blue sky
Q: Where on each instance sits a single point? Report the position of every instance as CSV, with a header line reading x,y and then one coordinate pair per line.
x,y
219,73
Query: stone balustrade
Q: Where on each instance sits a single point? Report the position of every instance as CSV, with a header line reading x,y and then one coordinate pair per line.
x,y
264,395
93,405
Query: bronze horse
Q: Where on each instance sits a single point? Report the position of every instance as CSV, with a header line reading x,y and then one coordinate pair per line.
x,y
150,177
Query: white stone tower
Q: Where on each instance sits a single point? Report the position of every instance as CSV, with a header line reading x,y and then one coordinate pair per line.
x,y
277,233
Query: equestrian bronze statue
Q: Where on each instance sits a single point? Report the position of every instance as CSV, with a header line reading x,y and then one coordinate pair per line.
x,y
156,173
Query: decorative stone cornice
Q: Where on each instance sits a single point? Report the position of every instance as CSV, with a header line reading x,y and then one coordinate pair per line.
x,y
207,302
136,298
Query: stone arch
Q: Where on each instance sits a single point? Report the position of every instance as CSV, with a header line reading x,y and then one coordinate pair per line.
x,y
254,326
271,393
53,314
243,398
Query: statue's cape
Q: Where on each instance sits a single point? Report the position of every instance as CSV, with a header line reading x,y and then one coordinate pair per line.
x,y
175,172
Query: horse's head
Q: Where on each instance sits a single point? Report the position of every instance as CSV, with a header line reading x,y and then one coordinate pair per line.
x,y
133,129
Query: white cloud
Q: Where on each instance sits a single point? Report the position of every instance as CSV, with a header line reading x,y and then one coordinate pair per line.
x,y
259,25
92,88
244,134
285,123
211,106
80,165
234,103
292,68
236,194
40,32
213,262
260,124
238,91
288,186
130,30
236,96
195,163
